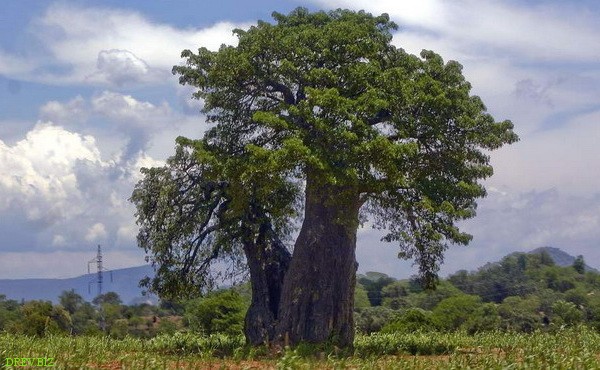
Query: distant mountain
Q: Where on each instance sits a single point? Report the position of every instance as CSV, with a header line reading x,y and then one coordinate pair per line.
x,y
560,257
124,282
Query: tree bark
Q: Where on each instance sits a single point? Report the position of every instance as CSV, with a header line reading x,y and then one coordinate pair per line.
x,y
268,260
318,292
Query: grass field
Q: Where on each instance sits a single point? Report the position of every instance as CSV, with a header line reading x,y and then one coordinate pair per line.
x,y
576,348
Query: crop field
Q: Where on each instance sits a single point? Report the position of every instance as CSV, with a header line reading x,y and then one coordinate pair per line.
x,y
575,348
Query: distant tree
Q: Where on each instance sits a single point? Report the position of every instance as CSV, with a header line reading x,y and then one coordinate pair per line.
x,y
451,313
71,301
41,318
547,297
496,281
463,281
372,319
566,313
171,307
110,312
427,299
394,295
9,312
546,259
578,296
484,318
579,264
361,298
85,320
374,282
520,314
522,261
593,311
109,297
560,279
143,309
110,309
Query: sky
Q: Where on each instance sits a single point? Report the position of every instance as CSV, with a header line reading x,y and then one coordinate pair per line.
x,y
87,99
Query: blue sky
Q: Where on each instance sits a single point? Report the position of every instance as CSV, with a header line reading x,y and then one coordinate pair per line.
x,y
87,98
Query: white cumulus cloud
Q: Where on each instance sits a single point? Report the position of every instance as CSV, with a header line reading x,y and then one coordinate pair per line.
x,y
58,193
125,108
537,32
108,46
96,232
38,171
120,67
74,110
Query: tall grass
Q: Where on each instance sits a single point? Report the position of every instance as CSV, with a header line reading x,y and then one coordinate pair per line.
x,y
575,348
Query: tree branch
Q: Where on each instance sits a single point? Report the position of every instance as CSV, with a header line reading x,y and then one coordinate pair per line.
x,y
381,116
204,233
288,97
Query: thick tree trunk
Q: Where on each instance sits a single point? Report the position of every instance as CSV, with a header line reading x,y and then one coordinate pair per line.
x,y
268,261
318,292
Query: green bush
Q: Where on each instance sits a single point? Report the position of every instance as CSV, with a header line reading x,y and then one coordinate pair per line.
x,y
221,312
451,313
485,318
566,313
372,319
520,314
409,321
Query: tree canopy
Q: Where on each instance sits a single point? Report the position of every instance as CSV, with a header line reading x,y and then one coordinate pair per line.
x,y
318,113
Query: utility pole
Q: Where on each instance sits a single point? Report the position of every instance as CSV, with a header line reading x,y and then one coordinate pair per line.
x,y
99,281
99,269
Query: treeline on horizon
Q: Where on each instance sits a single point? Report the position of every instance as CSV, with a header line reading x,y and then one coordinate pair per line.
x,y
521,293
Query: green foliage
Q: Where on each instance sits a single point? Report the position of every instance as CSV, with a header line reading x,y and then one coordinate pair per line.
x,y
530,286
119,328
373,283
418,309
84,320
108,298
410,321
83,315
484,318
427,299
111,313
220,312
71,301
394,295
517,274
566,313
186,224
520,314
9,313
453,312
546,259
167,327
372,319
325,94
579,264
361,297
42,318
